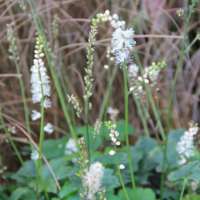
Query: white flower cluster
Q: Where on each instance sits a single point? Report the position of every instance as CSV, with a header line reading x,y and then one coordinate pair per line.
x,y
122,40
92,180
122,44
75,103
185,147
148,76
114,135
153,71
40,83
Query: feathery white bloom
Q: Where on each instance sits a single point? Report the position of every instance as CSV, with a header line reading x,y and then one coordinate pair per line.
x,y
35,115
34,155
185,147
71,147
122,43
40,83
49,128
92,180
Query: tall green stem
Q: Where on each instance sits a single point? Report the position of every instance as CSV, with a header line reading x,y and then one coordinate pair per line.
x,y
122,184
126,125
22,88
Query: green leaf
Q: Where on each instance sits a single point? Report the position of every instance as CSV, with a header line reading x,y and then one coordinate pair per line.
x,y
151,153
67,190
139,194
54,148
118,158
112,197
20,193
110,181
45,184
192,197
190,171
172,155
25,173
60,167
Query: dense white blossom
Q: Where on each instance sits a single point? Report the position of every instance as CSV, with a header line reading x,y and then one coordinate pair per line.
x,y
122,44
92,180
185,147
40,83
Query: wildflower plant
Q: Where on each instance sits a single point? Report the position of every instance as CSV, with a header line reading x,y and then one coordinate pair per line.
x,y
112,164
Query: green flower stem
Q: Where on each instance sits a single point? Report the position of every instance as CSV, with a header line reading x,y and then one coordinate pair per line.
x,y
156,112
126,125
143,116
122,184
107,93
22,89
183,189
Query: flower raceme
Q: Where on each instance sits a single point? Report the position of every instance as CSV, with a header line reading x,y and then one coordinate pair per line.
x,y
185,147
122,44
92,180
40,83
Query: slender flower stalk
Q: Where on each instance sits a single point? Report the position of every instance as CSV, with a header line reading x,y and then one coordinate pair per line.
x,y
126,102
88,78
14,56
